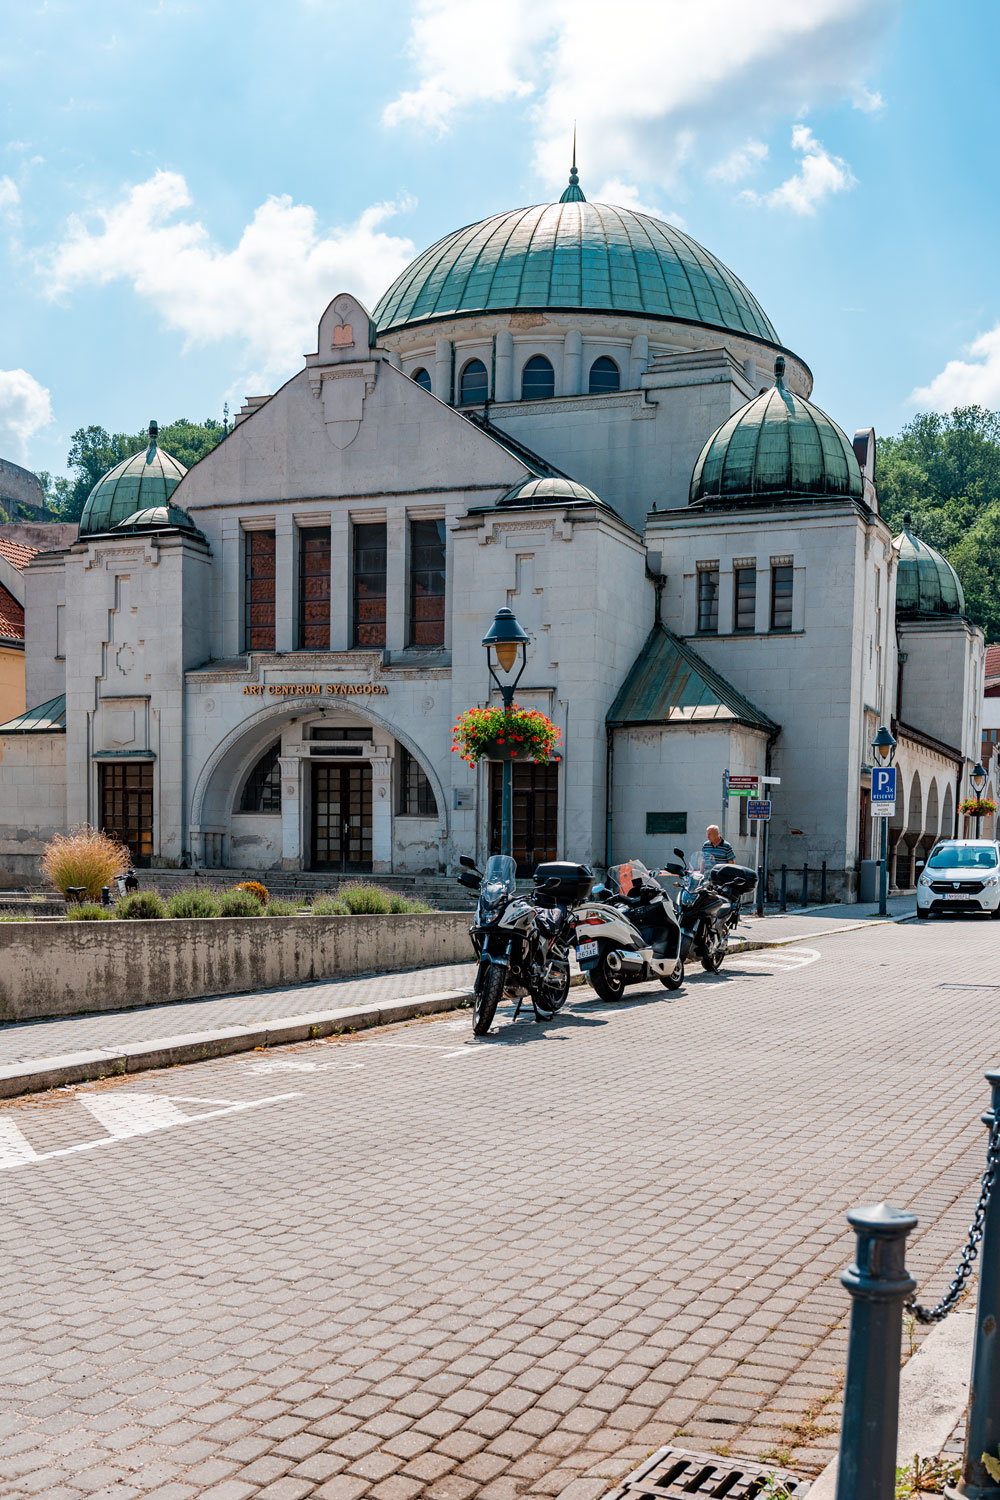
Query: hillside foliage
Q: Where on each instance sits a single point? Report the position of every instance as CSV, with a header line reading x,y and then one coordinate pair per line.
x,y
94,450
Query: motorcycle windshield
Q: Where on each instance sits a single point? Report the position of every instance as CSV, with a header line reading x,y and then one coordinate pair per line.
x,y
621,878
499,879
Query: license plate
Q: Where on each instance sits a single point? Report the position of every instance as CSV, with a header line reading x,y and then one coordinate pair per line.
x,y
587,950
958,896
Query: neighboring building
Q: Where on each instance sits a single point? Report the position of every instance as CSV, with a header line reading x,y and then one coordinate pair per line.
x,y
13,561
574,410
21,493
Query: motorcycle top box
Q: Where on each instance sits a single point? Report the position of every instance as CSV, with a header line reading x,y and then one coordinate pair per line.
x,y
562,883
735,880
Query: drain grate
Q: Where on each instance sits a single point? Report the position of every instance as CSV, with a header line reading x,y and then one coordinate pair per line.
x,y
672,1474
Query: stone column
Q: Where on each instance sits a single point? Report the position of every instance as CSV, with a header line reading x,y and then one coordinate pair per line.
x,y
638,360
382,815
442,371
396,592
341,602
284,583
291,812
504,379
572,361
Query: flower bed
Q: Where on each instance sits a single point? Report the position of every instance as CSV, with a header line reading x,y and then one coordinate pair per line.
x,y
496,733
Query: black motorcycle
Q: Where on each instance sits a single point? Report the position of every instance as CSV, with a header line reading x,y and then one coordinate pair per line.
x,y
708,906
522,944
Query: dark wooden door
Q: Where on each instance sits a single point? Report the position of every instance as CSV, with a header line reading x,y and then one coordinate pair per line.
x,y
865,826
127,807
535,813
342,818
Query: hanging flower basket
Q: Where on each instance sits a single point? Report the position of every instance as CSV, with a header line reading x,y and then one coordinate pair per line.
x,y
978,807
496,734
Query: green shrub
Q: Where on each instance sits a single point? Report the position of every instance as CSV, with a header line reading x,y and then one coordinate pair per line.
x,y
364,898
89,911
398,903
255,889
13,916
140,906
279,908
193,904
330,906
239,904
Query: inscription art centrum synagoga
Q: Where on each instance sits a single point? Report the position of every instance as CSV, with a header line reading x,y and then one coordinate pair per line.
x,y
313,689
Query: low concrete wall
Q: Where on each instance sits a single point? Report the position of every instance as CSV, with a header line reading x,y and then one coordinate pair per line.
x,y
73,968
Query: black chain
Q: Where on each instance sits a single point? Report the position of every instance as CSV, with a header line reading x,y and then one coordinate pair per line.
x,y
964,1268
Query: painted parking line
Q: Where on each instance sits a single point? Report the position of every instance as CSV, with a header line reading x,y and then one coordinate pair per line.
x,y
781,960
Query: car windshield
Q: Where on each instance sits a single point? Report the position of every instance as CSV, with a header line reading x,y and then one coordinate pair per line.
x,y
962,857
499,877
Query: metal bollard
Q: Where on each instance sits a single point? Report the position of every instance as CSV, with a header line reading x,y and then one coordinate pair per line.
x,y
760,890
822,885
805,885
784,892
983,1426
878,1282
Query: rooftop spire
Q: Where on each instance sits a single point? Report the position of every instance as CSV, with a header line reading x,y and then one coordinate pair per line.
x,y
573,193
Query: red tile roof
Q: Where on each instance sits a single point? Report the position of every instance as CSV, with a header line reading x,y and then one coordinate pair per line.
x,y
17,554
11,617
992,662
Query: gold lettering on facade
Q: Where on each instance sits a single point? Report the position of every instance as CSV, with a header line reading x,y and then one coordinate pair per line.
x,y
315,689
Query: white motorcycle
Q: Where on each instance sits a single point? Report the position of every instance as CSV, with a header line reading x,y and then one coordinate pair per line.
x,y
628,933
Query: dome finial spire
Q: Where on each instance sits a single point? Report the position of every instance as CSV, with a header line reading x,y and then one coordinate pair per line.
x,y
573,193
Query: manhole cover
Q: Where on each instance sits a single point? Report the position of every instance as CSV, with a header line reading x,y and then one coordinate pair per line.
x,y
673,1474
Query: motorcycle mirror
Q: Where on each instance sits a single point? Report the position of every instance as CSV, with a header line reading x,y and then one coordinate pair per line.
x,y
681,855
466,862
472,881
673,869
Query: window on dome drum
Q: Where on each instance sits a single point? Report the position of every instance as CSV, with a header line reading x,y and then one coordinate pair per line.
x,y
708,601
258,591
314,588
604,376
427,579
416,795
474,385
538,380
744,599
262,788
781,597
422,378
369,584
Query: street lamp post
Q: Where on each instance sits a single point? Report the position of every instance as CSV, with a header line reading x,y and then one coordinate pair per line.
x,y
884,752
503,641
979,777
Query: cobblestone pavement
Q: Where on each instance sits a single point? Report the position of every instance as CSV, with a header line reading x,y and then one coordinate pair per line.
x,y
411,1264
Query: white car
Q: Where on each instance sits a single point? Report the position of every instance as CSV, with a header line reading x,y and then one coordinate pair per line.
x,y
960,875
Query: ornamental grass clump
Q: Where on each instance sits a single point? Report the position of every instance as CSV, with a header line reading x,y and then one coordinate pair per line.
x,y
193,904
90,911
362,898
279,908
237,903
86,859
254,888
141,906
400,904
517,733
330,906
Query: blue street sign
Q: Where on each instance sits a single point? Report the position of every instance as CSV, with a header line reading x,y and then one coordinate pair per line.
x,y
759,807
884,784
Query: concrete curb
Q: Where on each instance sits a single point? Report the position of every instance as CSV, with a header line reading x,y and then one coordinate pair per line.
x,y
39,1074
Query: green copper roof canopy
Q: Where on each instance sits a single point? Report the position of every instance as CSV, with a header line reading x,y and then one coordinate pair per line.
x,y
573,255
669,683
927,586
48,718
159,518
146,479
777,447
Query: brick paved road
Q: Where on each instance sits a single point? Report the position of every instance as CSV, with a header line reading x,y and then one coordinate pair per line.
x,y
407,1264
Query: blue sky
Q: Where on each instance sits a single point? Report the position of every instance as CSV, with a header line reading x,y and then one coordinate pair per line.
x,y
183,186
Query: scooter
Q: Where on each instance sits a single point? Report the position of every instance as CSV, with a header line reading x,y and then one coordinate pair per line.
x,y
628,933
708,906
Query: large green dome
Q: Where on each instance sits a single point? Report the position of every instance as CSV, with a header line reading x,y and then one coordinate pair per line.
x,y
573,255
927,586
777,447
146,479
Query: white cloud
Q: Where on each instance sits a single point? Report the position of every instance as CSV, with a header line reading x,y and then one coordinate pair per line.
x,y
267,292
10,198
741,163
626,195
819,175
966,382
644,80
869,102
24,408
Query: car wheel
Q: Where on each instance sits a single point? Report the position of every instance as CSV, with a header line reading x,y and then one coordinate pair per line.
x,y
995,913
922,915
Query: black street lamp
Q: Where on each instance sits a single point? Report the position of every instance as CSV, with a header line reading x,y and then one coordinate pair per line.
x,y
884,753
979,777
503,641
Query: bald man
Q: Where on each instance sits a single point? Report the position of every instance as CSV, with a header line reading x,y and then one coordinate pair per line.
x,y
715,850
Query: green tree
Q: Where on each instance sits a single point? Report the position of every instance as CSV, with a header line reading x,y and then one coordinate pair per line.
x,y
93,451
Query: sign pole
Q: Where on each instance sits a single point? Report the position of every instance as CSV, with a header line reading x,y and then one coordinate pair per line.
x,y
883,867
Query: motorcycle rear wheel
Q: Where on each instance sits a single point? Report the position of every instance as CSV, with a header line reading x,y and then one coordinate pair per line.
x,y
609,986
711,960
488,994
548,999
676,979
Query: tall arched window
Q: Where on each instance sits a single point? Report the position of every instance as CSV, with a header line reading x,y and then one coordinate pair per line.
x,y
262,788
604,376
474,386
538,379
422,378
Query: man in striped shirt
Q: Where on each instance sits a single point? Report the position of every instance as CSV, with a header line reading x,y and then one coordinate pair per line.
x,y
715,850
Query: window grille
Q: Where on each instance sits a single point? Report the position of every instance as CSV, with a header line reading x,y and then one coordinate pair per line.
x,y
262,788
422,378
604,376
708,601
314,588
781,597
745,599
538,380
259,551
369,584
474,387
427,583
127,806
416,795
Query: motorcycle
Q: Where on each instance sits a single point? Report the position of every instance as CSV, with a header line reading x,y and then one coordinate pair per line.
x,y
629,933
708,906
522,946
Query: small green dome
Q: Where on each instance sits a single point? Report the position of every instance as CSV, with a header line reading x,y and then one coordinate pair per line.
x,y
159,518
927,586
554,490
777,447
573,255
145,480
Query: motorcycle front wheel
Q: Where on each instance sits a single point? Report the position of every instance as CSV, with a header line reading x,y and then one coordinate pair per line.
x,y
676,979
712,956
609,986
488,994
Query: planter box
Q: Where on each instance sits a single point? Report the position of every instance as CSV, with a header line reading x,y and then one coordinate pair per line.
x,y
76,968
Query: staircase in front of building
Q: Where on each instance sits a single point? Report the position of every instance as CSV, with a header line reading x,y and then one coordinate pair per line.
x,y
442,892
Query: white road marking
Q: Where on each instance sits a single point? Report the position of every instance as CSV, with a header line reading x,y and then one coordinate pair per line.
x,y
123,1115
128,1123
786,959
286,1065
